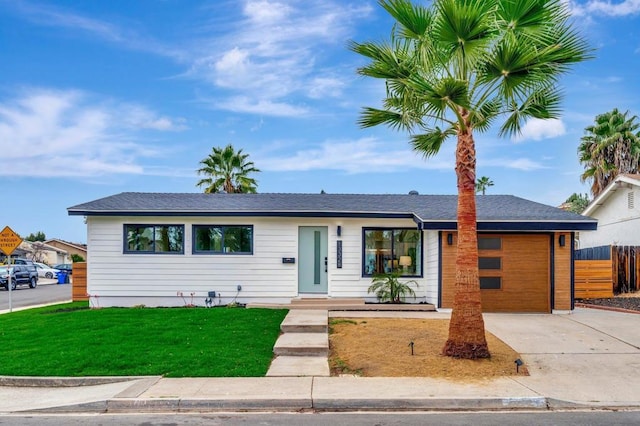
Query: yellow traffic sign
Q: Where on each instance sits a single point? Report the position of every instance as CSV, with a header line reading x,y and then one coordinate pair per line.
x,y
9,241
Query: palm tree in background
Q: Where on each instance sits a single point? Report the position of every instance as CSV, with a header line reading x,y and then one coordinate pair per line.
x,y
482,184
609,147
452,69
227,171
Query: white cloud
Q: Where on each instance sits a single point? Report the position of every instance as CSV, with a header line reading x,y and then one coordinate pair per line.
x,y
608,8
268,51
351,156
322,87
263,107
55,16
541,129
51,133
274,52
266,11
523,164
140,117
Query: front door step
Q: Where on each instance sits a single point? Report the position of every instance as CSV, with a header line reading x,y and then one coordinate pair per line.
x,y
305,321
327,301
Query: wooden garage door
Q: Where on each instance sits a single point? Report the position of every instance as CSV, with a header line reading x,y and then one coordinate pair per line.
x,y
514,271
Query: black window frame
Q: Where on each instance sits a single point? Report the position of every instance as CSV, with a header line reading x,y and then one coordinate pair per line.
x,y
223,227
418,274
490,263
125,243
489,283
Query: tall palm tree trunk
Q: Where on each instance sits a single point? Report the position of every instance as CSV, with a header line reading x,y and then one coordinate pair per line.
x,y
466,328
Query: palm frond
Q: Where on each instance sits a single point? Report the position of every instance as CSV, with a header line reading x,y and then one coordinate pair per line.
x,y
429,143
414,19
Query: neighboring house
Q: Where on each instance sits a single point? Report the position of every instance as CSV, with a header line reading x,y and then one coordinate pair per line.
x,y
69,248
152,249
45,253
617,212
39,252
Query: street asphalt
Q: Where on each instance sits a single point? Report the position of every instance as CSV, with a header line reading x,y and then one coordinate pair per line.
x,y
586,359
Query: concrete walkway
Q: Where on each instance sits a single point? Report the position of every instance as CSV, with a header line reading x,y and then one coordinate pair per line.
x,y
587,359
303,348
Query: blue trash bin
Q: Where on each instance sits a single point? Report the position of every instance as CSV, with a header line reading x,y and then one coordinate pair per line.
x,y
62,277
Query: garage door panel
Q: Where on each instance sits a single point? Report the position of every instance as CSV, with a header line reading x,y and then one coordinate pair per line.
x,y
524,275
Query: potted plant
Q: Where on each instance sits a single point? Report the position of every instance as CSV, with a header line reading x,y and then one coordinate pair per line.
x,y
389,289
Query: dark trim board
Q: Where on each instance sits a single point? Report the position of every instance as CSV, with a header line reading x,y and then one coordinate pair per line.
x,y
552,272
439,270
514,226
573,271
245,214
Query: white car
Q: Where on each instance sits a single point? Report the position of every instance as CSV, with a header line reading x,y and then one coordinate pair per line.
x,y
45,271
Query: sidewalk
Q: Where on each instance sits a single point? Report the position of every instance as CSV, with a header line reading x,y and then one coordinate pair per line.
x,y
587,359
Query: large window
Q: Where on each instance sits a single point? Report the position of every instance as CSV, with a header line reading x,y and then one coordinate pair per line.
x,y
392,250
154,239
222,239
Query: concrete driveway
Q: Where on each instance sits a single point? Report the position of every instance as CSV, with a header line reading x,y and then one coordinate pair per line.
x,y
588,356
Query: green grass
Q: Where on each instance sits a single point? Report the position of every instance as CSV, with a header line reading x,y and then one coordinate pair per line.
x,y
72,340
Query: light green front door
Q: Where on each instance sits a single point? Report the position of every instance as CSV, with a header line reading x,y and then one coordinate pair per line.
x,y
312,255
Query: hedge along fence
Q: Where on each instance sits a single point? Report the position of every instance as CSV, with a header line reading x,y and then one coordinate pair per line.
x,y
621,264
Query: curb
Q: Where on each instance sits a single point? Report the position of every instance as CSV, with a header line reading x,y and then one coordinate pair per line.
x,y
58,382
177,405
606,308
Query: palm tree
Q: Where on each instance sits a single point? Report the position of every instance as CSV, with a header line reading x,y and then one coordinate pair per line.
x,y
482,184
227,171
452,69
609,147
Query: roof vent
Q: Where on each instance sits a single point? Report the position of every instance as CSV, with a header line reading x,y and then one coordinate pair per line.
x,y
413,192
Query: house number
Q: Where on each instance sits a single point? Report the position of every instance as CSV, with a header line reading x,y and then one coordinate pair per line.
x,y
339,254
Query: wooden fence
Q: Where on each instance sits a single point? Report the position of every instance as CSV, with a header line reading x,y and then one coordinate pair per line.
x,y
622,270
593,279
79,281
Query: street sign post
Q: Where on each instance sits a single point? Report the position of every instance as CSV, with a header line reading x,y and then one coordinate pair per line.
x,y
9,241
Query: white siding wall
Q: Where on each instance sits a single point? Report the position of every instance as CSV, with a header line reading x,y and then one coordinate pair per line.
x,y
432,265
117,279
617,223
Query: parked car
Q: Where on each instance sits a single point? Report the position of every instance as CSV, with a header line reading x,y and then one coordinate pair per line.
x,y
45,271
64,267
31,267
20,275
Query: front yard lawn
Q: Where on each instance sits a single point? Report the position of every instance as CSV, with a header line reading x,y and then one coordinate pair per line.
x,y
72,340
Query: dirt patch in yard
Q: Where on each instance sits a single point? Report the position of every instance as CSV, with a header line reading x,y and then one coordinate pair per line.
x,y
381,347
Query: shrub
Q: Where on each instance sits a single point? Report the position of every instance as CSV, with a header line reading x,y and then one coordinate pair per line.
x,y
388,288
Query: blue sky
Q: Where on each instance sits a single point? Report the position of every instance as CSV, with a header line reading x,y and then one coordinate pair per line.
x,y
102,97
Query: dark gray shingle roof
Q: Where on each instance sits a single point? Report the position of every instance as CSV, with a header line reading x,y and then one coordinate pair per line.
x,y
423,208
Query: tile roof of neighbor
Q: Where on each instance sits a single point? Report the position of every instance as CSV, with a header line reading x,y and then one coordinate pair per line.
x,y
423,208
